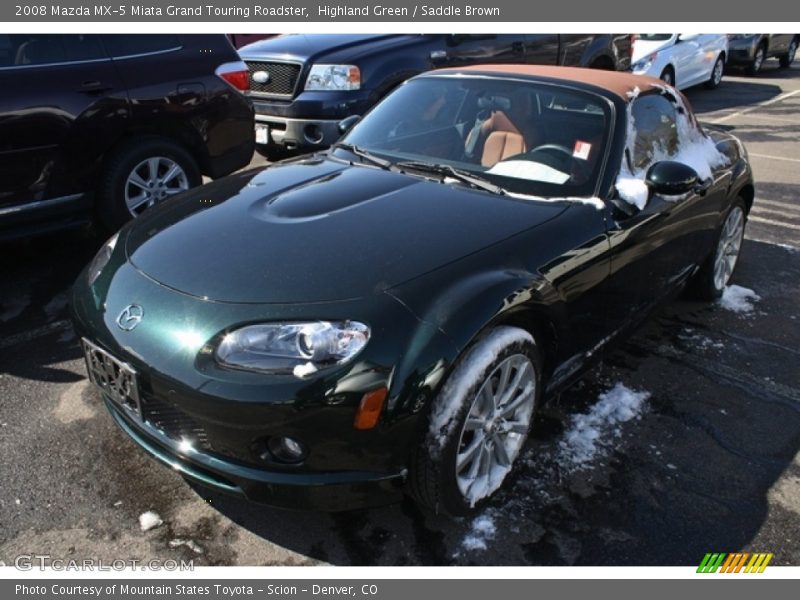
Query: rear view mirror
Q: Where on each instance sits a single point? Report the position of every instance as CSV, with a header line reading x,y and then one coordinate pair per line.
x,y
348,123
671,178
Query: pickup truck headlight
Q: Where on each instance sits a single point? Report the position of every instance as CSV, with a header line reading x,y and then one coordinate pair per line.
x,y
645,63
333,77
101,259
300,348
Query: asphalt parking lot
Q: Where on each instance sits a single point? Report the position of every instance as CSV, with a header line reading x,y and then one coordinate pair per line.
x,y
708,462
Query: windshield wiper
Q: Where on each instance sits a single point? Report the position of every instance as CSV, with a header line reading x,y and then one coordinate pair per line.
x,y
450,171
366,155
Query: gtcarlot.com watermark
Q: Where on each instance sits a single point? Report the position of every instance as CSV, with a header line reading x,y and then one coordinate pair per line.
x,y
42,562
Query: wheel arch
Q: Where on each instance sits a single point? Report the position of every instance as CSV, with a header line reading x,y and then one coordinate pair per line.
x,y
469,309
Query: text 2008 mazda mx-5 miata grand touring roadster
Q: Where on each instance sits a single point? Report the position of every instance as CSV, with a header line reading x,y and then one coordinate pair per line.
x,y
386,316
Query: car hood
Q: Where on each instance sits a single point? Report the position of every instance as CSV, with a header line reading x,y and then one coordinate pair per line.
x,y
644,48
311,46
318,230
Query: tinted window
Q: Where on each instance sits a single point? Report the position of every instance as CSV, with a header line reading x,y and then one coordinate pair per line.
x,y
654,119
131,45
41,49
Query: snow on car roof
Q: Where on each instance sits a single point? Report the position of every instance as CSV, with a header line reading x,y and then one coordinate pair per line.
x,y
622,84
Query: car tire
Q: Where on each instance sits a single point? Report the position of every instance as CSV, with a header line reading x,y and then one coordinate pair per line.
x,y
480,418
173,170
787,59
709,282
668,76
759,56
716,73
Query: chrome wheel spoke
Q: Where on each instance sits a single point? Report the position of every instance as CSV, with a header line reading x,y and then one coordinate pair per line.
x,y
468,454
510,408
500,453
474,423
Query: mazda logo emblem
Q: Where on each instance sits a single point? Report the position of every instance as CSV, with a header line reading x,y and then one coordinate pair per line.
x,y
261,77
130,316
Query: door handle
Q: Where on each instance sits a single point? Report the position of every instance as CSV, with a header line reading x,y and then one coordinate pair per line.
x,y
94,87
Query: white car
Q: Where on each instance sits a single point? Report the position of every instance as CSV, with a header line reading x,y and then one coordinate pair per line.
x,y
681,59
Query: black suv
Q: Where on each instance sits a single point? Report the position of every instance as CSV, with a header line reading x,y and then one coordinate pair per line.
x,y
107,125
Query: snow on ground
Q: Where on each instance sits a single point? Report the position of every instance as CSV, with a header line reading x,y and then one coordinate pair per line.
x,y
482,530
739,299
591,433
191,544
150,520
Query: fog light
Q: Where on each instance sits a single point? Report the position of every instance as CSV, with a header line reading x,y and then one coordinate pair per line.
x,y
313,134
286,449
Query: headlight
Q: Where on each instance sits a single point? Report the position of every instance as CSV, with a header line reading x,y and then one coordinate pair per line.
x,y
101,259
646,62
333,77
300,348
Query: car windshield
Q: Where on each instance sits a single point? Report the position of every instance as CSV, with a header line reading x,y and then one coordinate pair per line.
x,y
527,138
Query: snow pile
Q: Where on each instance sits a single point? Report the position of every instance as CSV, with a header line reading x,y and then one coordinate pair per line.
x,y
696,150
482,530
454,393
149,520
304,370
191,544
738,299
592,432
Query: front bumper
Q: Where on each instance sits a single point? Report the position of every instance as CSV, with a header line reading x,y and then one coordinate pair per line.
x,y
336,491
311,119
300,133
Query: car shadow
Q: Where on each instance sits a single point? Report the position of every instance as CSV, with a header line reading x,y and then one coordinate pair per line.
x,y
692,474
731,93
37,274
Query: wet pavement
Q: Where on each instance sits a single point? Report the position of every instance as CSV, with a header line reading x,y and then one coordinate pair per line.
x,y
709,463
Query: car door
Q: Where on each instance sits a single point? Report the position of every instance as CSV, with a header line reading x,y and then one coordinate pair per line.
x,y
688,59
653,249
468,49
50,83
544,48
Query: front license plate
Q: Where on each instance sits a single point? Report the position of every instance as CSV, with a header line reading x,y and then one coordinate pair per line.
x,y
262,134
114,378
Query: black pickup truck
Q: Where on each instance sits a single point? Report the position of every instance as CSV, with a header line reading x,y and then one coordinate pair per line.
x,y
303,85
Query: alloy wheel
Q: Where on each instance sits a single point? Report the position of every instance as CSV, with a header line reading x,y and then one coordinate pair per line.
x,y
153,180
728,247
496,426
758,59
717,74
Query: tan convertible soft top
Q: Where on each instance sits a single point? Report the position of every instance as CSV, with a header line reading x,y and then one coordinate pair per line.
x,y
619,83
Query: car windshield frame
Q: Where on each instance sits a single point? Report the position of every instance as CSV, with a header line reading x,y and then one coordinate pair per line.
x,y
515,186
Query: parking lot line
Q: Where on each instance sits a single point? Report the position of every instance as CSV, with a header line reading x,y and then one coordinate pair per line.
x,y
750,109
777,204
773,223
774,157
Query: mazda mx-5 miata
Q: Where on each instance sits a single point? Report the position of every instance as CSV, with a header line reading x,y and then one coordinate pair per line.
x,y
386,316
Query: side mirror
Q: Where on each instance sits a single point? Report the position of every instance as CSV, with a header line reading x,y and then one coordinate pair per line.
x,y
670,178
686,37
348,123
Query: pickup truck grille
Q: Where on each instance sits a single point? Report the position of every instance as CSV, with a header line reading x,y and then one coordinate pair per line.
x,y
282,78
